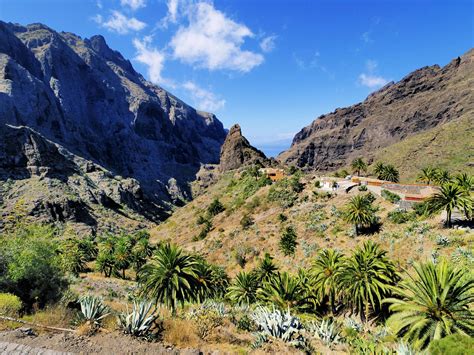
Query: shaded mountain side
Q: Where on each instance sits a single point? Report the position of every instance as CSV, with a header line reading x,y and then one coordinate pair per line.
x,y
449,146
429,97
41,179
86,97
237,152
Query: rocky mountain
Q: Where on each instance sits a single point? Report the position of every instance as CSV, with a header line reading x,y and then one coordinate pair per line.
x,y
82,96
427,98
237,151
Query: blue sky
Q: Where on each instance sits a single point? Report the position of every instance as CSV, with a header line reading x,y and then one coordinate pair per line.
x,y
271,65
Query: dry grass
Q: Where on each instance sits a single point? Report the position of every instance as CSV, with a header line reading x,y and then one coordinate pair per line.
x,y
181,333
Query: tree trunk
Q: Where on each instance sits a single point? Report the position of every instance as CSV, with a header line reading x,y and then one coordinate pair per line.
x,y
448,218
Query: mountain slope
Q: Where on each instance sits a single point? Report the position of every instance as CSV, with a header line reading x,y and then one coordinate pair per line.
x,y
429,97
87,98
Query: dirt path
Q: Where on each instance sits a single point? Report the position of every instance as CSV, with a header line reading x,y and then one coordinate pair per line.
x,y
14,349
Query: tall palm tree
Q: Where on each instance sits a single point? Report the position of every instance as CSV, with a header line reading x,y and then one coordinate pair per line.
x,y
326,274
427,175
449,197
266,269
285,292
170,278
358,165
465,180
432,303
366,279
390,173
442,176
359,212
378,168
243,289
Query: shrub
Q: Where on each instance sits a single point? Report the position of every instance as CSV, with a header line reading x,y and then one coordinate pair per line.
x,y
285,191
399,216
246,221
317,184
30,266
206,228
10,305
282,218
362,188
215,207
455,344
390,196
288,241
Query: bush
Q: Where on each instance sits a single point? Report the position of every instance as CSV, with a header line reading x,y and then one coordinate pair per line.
x,y
285,191
10,305
288,241
246,221
282,218
317,184
455,344
390,196
30,266
400,216
215,208
362,188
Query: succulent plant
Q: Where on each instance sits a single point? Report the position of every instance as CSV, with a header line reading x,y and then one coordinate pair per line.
x,y
442,240
405,349
353,324
280,325
93,309
327,331
139,321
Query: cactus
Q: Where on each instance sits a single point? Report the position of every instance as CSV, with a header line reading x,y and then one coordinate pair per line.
x,y
93,309
140,320
327,331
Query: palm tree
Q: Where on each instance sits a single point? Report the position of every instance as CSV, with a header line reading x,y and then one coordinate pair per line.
x,y
378,168
466,181
358,165
243,289
427,175
434,302
326,272
285,292
171,277
359,212
366,279
390,173
449,197
266,269
442,176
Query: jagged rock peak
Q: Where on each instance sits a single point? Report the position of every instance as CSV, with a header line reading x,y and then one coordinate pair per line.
x,y
237,151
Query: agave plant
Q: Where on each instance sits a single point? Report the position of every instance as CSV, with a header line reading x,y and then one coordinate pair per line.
x,y
281,325
139,321
327,331
93,309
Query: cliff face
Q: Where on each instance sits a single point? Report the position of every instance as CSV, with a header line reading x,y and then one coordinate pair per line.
x,y
87,98
237,151
424,99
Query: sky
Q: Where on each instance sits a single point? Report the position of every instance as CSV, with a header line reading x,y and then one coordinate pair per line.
x,y
272,66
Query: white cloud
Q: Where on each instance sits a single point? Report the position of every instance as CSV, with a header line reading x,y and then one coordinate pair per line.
x,y
213,41
372,81
99,4
133,4
268,43
151,57
119,23
204,99
366,37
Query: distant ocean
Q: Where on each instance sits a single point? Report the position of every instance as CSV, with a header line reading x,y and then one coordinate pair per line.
x,y
275,148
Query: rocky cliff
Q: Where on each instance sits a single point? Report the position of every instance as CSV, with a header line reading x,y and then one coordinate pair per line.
x,y
427,98
237,151
87,98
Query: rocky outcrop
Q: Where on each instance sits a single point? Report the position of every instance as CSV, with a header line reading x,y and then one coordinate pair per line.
x,y
426,98
87,98
237,151
50,183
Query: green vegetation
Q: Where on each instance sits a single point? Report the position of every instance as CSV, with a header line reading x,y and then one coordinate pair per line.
x,y
286,191
10,305
358,165
387,172
360,212
390,196
288,241
454,344
215,208
434,302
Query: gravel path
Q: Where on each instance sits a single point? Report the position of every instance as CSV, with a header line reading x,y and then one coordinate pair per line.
x,y
17,349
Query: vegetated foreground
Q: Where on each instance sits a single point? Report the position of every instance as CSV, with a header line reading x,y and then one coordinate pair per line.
x,y
303,264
